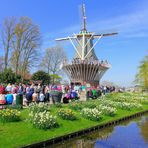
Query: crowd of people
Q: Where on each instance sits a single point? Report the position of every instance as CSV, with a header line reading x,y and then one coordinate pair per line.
x,y
28,93
35,92
88,61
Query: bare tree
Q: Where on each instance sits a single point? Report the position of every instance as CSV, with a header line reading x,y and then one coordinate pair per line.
x,y
53,58
1,63
6,36
25,42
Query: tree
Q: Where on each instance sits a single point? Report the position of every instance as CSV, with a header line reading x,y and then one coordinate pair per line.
x,y
1,63
41,76
7,76
25,42
6,36
55,78
53,59
142,76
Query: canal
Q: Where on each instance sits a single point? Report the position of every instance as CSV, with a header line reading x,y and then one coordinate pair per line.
x,y
129,134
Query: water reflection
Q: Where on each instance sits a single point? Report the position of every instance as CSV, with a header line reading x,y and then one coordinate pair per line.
x,y
129,134
143,125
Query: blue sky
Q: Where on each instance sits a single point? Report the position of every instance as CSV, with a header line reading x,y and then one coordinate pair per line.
x,y
60,18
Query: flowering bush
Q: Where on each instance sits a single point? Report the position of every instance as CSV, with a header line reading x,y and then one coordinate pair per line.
x,y
143,99
66,114
108,103
136,105
111,111
92,114
122,103
128,106
9,115
43,120
41,107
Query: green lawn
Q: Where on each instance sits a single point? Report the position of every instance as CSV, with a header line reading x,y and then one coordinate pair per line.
x,y
17,134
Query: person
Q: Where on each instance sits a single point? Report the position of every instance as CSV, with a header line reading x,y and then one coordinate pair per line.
x,y
27,89
94,94
14,99
99,93
9,87
39,88
47,94
74,95
66,98
14,89
35,97
104,90
87,94
2,89
41,97
107,89
2,99
20,89
29,95
9,98
83,87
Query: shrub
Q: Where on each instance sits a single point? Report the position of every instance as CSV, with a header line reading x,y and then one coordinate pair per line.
x,y
9,115
66,114
41,107
91,114
109,103
111,111
136,105
43,120
123,105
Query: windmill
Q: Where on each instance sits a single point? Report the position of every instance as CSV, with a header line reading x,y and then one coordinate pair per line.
x,y
85,66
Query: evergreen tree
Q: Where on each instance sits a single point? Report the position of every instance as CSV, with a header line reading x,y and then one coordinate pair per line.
x,y
7,76
41,76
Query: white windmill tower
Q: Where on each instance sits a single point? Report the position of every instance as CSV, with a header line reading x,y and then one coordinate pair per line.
x,y
85,66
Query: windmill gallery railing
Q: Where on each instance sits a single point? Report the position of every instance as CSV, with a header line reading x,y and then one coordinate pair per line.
x,y
103,63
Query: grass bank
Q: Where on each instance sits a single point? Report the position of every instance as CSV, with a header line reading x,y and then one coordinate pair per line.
x,y
17,134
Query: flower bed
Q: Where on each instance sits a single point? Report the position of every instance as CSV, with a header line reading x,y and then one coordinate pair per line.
x,y
111,111
41,107
9,115
91,114
66,114
43,120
